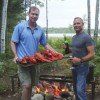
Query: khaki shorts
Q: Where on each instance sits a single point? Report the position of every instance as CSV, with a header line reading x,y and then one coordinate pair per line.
x,y
28,75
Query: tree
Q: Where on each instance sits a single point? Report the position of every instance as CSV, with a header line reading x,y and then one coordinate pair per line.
x,y
96,21
89,17
15,12
46,19
3,28
15,8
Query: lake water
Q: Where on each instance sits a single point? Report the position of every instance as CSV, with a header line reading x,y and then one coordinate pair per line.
x,y
61,35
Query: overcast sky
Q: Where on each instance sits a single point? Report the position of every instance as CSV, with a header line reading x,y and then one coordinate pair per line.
x,y
61,13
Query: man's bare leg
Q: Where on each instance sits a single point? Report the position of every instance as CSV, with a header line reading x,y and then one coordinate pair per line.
x,y
26,93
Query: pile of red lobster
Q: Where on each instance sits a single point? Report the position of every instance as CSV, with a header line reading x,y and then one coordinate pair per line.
x,y
44,56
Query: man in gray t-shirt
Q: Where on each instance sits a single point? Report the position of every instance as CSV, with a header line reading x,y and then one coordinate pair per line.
x,y
80,42
82,52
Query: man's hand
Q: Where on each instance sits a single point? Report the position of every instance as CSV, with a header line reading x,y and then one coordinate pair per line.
x,y
15,59
75,60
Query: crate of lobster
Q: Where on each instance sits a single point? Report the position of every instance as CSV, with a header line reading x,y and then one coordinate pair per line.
x,y
45,56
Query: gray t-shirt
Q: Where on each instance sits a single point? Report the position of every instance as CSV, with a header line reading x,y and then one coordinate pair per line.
x,y
80,43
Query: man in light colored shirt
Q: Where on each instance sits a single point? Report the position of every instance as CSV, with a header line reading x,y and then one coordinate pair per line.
x,y
26,38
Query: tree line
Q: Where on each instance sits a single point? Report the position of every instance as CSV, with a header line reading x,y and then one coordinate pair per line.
x,y
68,29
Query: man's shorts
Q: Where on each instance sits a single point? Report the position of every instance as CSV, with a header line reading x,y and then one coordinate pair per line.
x,y
28,75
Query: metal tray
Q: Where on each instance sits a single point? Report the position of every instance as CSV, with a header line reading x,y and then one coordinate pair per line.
x,y
25,65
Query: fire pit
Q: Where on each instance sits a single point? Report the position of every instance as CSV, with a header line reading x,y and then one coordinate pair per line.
x,y
54,87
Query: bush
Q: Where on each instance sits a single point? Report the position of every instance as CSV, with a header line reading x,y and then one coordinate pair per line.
x,y
3,88
2,68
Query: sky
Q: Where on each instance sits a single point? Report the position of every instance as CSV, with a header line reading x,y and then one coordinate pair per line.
x,y
62,13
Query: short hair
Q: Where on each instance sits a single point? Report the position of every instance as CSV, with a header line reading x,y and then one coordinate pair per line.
x,y
79,18
33,8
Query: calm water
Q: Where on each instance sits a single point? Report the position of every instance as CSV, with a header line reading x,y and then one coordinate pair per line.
x,y
61,35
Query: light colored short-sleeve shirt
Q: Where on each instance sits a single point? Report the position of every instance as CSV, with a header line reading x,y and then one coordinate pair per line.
x,y
27,40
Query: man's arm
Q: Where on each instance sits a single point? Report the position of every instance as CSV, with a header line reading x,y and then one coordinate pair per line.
x,y
47,46
88,57
13,47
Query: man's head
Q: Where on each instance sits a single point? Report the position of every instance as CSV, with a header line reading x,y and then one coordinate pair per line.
x,y
78,24
33,14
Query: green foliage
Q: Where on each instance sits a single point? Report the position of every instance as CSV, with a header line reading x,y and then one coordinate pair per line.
x,y
61,30
96,62
57,44
98,46
7,67
2,88
10,67
2,68
15,9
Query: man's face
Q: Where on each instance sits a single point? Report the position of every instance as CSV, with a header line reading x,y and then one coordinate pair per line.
x,y
33,15
78,25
